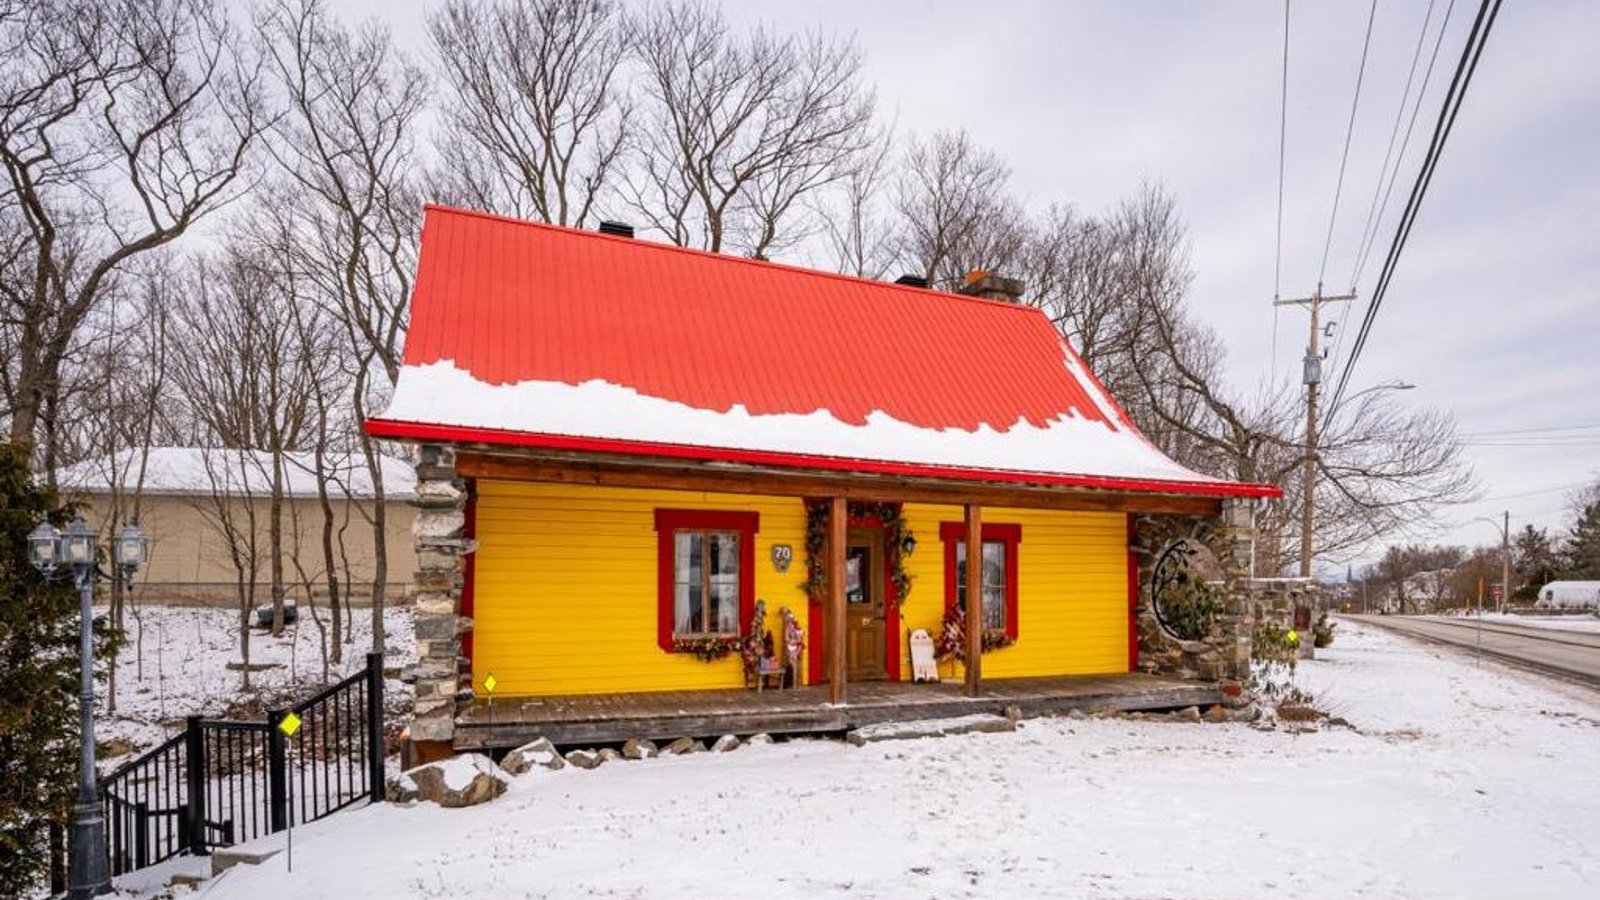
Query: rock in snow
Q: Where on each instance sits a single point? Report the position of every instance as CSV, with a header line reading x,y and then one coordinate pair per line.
x,y
465,780
640,748
400,789
585,759
725,743
538,752
683,745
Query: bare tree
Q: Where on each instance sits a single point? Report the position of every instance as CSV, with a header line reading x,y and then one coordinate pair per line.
x,y
955,210
1381,469
347,152
330,437
738,130
249,378
112,419
855,216
537,113
122,124
1397,573
229,508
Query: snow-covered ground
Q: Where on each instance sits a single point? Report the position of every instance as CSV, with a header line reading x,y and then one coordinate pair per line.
x,y
1455,781
1578,622
180,668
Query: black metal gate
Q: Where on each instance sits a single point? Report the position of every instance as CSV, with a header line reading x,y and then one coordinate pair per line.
x,y
220,783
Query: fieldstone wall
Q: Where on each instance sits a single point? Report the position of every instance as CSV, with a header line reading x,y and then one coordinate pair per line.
x,y
1288,603
1224,653
442,676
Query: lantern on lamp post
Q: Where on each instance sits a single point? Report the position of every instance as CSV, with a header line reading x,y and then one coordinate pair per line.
x,y
72,554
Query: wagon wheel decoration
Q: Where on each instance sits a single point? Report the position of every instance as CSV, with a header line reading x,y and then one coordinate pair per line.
x,y
1185,606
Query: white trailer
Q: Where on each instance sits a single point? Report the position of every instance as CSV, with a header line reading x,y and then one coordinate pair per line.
x,y
1569,595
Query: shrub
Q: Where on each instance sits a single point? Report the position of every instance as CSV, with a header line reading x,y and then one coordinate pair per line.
x,y
1322,632
1190,607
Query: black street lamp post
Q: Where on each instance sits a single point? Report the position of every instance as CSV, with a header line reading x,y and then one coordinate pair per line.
x,y
71,554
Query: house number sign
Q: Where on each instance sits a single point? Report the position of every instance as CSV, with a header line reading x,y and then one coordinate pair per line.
x,y
782,556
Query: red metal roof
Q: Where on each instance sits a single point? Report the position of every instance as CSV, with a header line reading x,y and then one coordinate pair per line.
x,y
514,301
509,301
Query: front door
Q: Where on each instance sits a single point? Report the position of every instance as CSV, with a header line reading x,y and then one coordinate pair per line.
x,y
864,607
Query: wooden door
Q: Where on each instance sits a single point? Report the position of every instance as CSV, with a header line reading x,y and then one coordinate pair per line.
x,y
864,607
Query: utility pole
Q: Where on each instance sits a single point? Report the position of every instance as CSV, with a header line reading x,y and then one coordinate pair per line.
x,y
1505,565
1312,379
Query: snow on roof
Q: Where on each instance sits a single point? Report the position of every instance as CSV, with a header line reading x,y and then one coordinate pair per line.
x,y
537,335
203,470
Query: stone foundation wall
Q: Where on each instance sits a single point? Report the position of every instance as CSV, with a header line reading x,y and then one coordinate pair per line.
x,y
1274,601
442,675
1223,654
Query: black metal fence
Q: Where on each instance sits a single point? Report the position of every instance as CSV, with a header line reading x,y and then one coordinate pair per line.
x,y
220,783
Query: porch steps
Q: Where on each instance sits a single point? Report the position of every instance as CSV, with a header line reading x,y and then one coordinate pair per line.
x,y
252,854
903,731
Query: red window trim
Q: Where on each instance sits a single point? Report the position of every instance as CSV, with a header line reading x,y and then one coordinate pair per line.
x,y
668,521
1133,596
953,533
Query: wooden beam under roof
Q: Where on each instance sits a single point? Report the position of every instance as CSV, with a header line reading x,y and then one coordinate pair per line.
x,y
672,474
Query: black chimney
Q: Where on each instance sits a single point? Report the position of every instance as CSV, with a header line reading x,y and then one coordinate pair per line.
x,y
912,281
619,229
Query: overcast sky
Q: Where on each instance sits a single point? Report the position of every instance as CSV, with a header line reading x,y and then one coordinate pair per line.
x,y
1494,313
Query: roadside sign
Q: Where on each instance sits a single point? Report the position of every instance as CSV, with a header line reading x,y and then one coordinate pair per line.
x,y
489,683
289,724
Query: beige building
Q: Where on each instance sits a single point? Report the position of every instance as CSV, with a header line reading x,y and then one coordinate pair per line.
x,y
207,513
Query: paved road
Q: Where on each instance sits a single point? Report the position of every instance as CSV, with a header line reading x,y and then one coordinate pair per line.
x,y
1570,654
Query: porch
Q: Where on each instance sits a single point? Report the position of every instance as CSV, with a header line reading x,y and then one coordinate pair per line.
x,y
665,715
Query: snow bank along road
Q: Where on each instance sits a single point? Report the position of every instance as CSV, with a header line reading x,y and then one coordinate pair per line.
x,y
1569,654
1458,781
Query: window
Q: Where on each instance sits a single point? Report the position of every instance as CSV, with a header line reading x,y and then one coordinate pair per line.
x,y
999,573
706,573
994,582
705,583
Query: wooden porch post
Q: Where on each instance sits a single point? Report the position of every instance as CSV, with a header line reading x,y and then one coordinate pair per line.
x,y
974,597
838,516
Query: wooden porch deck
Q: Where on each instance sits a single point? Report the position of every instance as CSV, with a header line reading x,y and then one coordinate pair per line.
x,y
665,715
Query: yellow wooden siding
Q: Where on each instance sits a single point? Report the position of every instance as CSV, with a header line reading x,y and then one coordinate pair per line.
x,y
565,587
1072,589
565,590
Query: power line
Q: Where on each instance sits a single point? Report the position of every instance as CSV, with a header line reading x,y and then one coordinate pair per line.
x,y
1375,212
1534,445
1553,490
1545,430
1283,132
1349,132
1449,109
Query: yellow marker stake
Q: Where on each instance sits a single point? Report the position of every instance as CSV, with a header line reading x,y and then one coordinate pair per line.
x,y
489,683
289,724
1294,638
